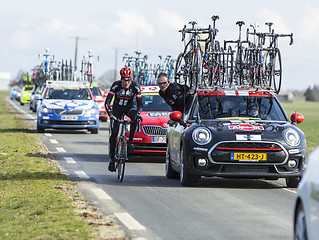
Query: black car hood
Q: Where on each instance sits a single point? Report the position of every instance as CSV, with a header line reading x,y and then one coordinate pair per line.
x,y
230,130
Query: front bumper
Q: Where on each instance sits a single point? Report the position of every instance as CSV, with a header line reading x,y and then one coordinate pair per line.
x,y
149,145
78,122
220,163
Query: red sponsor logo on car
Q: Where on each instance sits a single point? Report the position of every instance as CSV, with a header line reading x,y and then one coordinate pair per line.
x,y
246,127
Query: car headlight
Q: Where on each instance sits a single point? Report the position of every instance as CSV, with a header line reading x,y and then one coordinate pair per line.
x,y
47,110
202,136
291,137
91,111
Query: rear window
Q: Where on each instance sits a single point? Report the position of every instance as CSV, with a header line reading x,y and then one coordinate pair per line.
x,y
256,107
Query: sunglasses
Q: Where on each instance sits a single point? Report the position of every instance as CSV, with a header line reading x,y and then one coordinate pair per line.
x,y
162,83
127,79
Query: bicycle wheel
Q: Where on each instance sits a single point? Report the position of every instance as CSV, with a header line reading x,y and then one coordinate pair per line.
x,y
273,70
229,67
181,70
277,72
121,159
198,67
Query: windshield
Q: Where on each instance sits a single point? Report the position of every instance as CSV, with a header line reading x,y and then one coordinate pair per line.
x,y
256,107
68,93
154,103
28,88
95,91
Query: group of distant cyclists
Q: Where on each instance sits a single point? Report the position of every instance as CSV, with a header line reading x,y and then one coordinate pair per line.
x,y
124,91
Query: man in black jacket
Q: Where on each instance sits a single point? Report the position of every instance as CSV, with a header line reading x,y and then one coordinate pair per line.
x,y
174,94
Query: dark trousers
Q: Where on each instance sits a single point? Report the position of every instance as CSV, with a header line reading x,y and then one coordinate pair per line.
x,y
118,112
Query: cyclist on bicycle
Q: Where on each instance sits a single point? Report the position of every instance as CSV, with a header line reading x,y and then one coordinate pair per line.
x,y
124,91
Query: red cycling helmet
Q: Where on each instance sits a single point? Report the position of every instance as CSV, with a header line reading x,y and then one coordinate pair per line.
x,y
126,72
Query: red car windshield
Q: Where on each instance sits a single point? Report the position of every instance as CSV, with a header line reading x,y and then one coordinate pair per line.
x,y
221,106
95,91
155,103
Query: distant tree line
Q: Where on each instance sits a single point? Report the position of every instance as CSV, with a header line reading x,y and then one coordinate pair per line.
x,y
312,94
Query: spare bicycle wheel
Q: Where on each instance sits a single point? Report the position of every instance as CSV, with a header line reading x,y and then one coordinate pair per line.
x,y
277,72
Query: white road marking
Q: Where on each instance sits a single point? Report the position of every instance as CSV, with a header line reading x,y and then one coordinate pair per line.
x,y
101,194
81,174
290,190
280,185
69,160
129,221
48,134
60,149
53,141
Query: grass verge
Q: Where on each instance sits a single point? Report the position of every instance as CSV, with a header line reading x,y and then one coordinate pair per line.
x,y
36,200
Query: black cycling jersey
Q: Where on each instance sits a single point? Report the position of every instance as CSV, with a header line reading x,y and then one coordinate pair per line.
x,y
124,97
174,96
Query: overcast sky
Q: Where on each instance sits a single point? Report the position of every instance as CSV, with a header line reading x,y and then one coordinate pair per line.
x,y
151,27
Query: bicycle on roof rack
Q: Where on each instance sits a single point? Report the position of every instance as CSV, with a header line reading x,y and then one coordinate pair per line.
x,y
189,63
217,62
273,66
240,71
87,67
265,62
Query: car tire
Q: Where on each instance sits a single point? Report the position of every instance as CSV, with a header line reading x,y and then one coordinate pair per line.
x,y
40,129
186,178
300,227
170,173
94,130
21,103
292,182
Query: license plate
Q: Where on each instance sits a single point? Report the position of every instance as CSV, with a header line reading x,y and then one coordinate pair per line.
x,y
158,139
249,156
69,118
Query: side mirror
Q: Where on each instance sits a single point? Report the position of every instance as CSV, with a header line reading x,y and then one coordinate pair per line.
x,y
296,118
175,116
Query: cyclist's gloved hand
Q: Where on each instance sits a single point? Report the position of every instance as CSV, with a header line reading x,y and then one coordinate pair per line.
x,y
113,118
138,117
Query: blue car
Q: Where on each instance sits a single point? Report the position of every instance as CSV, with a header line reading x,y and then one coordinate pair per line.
x,y
67,105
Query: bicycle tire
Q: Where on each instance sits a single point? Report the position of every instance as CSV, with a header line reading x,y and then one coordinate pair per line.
x,y
198,67
121,159
229,67
277,72
180,67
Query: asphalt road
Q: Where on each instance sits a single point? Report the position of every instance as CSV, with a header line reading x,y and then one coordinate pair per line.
x,y
147,205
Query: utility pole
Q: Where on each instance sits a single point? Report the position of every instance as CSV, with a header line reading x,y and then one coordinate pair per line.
x,y
76,51
115,70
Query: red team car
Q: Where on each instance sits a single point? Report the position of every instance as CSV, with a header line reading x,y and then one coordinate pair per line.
x,y
150,137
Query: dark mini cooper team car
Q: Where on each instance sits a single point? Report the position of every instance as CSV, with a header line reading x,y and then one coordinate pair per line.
x,y
67,105
150,137
235,134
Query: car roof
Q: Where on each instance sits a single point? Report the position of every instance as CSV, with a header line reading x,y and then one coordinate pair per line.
x,y
235,92
67,84
149,90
